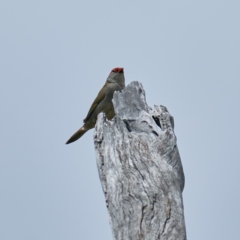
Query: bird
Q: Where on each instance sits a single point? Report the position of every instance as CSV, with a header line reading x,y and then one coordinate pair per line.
x,y
103,102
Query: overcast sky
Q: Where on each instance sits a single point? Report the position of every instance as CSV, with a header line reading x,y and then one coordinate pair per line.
x,y
54,58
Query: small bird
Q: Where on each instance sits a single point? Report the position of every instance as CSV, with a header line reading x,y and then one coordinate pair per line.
x,y
102,103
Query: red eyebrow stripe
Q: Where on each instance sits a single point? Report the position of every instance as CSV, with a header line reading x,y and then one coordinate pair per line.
x,y
117,70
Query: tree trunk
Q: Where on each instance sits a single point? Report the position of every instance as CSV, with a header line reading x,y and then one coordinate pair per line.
x,y
140,169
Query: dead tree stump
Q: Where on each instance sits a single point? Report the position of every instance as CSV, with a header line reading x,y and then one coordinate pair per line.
x,y
140,169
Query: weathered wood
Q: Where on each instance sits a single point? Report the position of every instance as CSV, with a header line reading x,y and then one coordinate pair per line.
x,y
140,169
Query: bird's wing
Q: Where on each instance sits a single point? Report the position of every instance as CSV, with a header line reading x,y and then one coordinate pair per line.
x,y
98,99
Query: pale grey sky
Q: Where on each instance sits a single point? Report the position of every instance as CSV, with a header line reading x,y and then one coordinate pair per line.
x,y
54,58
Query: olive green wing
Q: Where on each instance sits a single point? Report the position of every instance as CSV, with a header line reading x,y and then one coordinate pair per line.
x,y
98,99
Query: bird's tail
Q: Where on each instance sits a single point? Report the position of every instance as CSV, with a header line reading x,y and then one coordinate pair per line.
x,y
76,135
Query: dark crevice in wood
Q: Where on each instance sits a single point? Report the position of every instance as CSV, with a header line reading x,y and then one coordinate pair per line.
x,y
156,119
127,125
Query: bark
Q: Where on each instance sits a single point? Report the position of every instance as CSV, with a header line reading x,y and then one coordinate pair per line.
x,y
140,169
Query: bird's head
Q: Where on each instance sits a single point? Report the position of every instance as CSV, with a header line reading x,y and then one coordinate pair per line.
x,y
117,76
